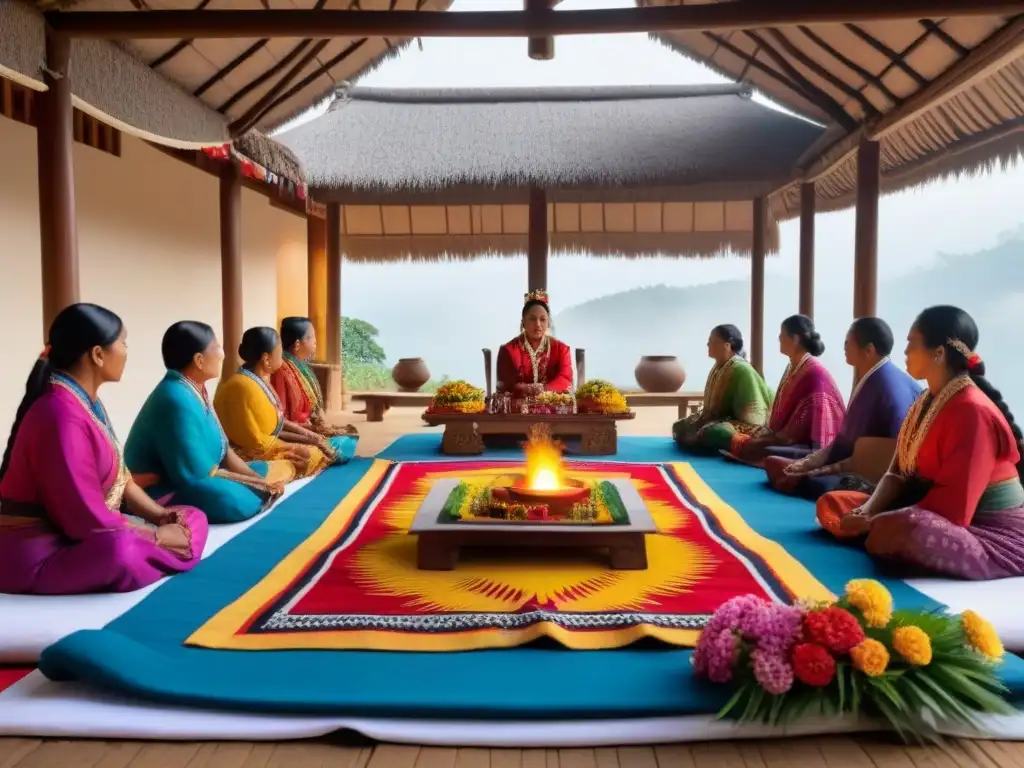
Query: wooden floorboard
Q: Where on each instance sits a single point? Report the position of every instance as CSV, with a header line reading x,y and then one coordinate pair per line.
x,y
828,752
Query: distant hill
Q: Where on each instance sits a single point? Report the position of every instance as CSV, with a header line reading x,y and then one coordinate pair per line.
x,y
617,329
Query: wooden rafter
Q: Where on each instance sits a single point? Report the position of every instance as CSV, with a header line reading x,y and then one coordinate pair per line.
x,y
254,113
951,42
812,92
179,46
820,71
851,64
230,67
895,59
739,14
325,67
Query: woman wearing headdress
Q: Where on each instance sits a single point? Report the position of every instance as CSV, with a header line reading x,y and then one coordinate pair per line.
x,y
952,503
253,417
71,518
534,362
736,398
299,391
177,447
808,408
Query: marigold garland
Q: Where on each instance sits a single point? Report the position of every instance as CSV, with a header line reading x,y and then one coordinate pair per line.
x,y
600,396
457,397
854,656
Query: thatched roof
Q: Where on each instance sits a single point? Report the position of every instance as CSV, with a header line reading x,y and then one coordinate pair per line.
x,y
942,96
273,156
232,76
413,145
628,171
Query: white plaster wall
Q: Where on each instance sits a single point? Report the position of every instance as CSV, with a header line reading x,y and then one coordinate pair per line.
x,y
149,249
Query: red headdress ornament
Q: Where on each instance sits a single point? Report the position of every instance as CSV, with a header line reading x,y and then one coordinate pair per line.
x,y
973,358
45,354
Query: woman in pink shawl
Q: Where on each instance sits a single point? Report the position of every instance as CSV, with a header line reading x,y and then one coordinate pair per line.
x,y
71,518
808,409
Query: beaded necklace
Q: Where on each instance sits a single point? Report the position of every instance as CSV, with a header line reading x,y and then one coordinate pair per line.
x,y
96,411
535,355
919,420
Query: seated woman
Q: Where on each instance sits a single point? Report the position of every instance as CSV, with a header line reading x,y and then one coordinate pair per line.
x,y
736,399
952,503
808,407
299,391
534,362
71,518
880,400
176,446
251,412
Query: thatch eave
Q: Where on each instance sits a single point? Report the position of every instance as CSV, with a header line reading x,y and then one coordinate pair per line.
x,y
272,155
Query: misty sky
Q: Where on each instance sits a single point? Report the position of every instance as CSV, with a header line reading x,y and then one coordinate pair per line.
x,y
914,226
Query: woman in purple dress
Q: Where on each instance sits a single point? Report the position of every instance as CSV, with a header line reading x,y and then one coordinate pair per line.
x,y
71,518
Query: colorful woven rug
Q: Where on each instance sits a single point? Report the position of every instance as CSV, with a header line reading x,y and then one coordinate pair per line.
x,y
354,584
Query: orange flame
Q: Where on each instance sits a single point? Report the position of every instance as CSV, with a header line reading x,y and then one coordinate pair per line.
x,y
544,471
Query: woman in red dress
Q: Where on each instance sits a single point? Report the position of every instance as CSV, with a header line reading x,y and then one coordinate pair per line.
x,y
952,502
534,362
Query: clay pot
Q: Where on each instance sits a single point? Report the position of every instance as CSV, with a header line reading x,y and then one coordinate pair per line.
x,y
410,373
659,373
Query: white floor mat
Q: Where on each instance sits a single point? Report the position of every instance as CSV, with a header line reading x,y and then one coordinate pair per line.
x,y
32,622
38,707
995,600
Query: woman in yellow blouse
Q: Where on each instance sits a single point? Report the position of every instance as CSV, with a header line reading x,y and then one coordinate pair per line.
x,y
251,414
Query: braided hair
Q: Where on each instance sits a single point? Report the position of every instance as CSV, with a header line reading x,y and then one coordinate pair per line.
x,y
955,331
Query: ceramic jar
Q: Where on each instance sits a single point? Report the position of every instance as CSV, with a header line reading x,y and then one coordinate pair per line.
x,y
659,373
410,373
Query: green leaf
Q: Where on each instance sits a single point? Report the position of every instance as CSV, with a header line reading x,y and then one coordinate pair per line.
x,y
940,701
741,691
841,669
856,684
753,704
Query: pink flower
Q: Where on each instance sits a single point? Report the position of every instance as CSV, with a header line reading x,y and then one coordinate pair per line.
x,y
721,652
772,672
782,630
732,612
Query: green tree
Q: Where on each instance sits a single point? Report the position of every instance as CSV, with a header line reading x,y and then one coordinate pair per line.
x,y
359,343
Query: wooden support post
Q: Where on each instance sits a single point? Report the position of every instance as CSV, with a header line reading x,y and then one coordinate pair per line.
x,y
540,48
58,225
757,254
537,258
865,258
316,280
231,265
807,206
332,340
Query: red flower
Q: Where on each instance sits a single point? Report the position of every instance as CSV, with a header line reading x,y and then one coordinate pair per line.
x,y
813,665
835,628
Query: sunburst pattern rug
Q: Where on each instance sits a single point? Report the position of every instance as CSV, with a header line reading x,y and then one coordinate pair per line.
x,y
354,584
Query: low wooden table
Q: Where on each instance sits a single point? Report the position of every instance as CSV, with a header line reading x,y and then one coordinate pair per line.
x,y
440,543
686,402
465,433
378,402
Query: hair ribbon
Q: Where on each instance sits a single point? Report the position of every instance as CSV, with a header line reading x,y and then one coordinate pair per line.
x,y
45,354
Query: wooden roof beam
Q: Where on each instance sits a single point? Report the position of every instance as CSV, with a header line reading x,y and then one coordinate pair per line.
x,y
319,24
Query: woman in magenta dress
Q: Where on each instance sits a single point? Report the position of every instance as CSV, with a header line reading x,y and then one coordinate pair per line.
x,y
534,362
952,503
71,518
808,409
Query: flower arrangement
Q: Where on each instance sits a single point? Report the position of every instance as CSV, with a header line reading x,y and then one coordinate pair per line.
x,y
457,397
599,396
857,655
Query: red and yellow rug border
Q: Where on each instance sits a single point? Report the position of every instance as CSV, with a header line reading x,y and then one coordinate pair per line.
x,y
223,630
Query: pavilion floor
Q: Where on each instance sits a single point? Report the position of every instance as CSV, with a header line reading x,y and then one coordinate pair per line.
x,y
862,751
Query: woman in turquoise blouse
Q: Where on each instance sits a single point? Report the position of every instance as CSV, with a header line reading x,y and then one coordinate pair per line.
x,y
177,448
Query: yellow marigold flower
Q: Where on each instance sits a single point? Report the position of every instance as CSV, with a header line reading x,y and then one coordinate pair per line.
x,y
913,644
981,635
872,600
870,657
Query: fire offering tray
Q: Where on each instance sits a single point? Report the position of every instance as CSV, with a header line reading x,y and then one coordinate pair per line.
x,y
511,500
442,535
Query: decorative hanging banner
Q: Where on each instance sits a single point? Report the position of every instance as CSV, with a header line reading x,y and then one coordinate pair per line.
x,y
253,170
